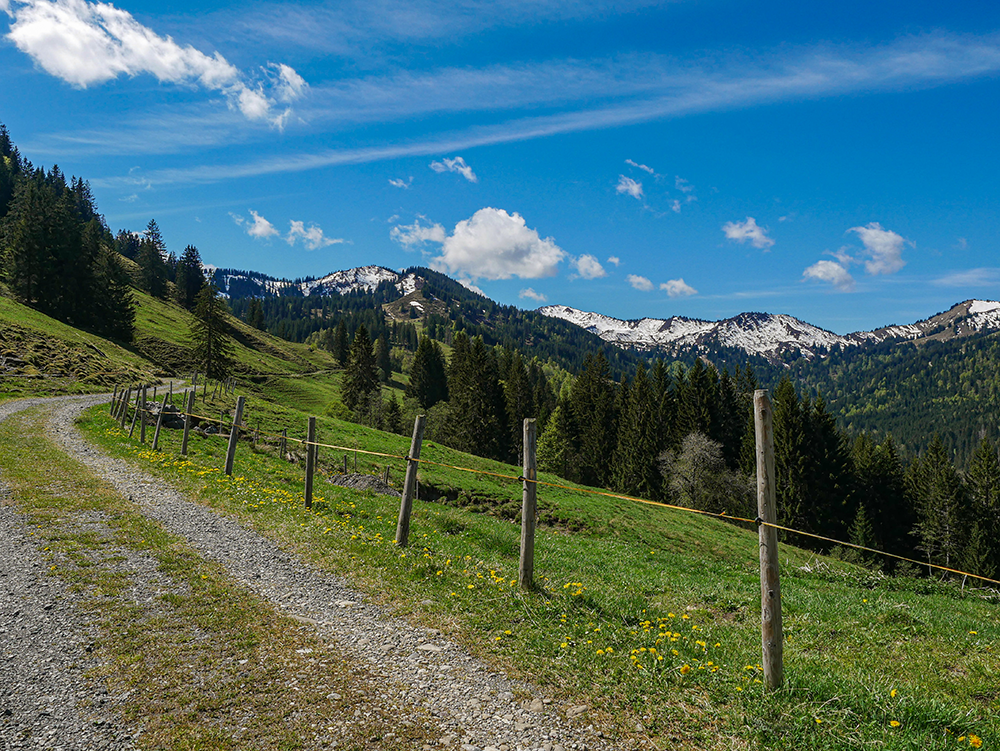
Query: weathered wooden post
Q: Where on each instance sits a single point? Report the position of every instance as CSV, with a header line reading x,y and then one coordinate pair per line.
x,y
345,464
142,419
187,423
529,505
234,435
310,460
114,401
159,424
154,394
410,484
283,446
123,412
135,412
772,640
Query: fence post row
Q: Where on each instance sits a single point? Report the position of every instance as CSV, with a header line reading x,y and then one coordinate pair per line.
x,y
123,412
410,485
310,460
772,640
159,424
529,504
187,423
234,435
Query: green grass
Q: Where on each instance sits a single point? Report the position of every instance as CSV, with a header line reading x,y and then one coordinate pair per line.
x,y
205,663
619,580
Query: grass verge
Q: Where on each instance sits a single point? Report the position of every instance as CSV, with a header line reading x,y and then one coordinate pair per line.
x,y
649,616
204,662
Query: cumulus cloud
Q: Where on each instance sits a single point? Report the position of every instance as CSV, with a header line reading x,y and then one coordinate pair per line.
x,y
678,288
416,234
398,182
748,231
493,244
883,247
643,167
530,294
312,236
455,165
629,186
831,272
588,267
615,261
86,43
641,283
259,228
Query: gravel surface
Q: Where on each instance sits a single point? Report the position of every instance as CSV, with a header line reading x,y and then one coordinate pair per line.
x,y
46,699
475,706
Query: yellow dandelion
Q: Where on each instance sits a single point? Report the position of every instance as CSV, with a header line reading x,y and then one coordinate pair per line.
x,y
894,723
893,693
685,669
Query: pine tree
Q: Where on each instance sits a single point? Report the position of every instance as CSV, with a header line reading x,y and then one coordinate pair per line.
x,y
115,306
382,359
428,380
361,375
556,452
940,504
518,398
393,415
593,403
190,278
212,348
255,315
477,414
983,480
634,467
152,266
341,349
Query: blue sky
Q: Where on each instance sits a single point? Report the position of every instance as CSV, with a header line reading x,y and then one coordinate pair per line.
x,y
835,161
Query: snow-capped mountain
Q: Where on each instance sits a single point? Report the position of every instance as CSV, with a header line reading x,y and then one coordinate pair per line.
x,y
253,284
772,336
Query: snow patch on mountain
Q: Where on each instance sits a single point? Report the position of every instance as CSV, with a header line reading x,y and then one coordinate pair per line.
x,y
366,278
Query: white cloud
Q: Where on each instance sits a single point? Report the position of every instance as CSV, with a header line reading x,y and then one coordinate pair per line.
x,y
493,244
678,288
455,165
675,206
981,277
748,231
832,272
629,186
261,229
588,267
884,248
615,261
398,182
683,185
410,235
312,236
643,167
86,43
530,294
639,282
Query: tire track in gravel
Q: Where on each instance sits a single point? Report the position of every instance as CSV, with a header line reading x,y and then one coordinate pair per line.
x,y
474,706
46,699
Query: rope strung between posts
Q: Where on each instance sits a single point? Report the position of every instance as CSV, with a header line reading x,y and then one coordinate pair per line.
x,y
619,496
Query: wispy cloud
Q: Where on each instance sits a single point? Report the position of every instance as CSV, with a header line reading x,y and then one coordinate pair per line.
x,y
640,283
87,44
455,165
397,182
638,88
831,272
678,288
530,294
643,167
629,186
748,231
981,277
615,261
312,236
415,235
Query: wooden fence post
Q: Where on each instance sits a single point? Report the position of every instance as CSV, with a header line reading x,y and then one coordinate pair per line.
x,y
142,419
159,424
135,412
772,640
310,460
283,450
114,401
345,464
410,485
154,393
123,412
187,423
529,504
234,435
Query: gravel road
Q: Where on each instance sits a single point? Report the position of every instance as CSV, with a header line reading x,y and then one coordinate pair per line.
x,y
44,641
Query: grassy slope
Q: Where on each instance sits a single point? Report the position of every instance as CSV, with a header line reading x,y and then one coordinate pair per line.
x,y
861,652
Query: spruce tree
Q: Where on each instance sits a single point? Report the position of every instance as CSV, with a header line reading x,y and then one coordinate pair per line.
x,y
212,348
428,380
940,503
383,359
114,304
634,467
361,375
983,480
519,402
341,349
190,278
556,452
255,316
593,403
152,265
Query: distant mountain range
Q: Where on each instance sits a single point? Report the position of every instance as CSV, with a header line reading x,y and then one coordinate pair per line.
x,y
775,337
